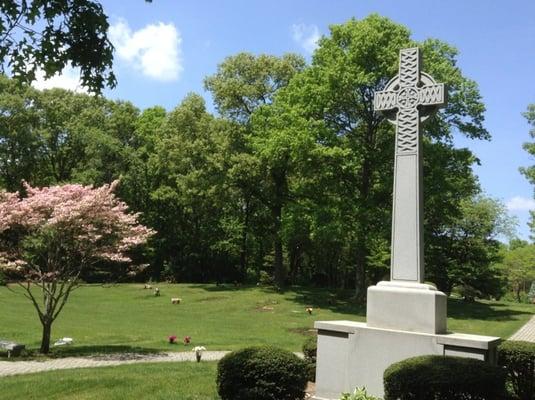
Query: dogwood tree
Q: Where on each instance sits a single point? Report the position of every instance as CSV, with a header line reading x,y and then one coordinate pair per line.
x,y
50,236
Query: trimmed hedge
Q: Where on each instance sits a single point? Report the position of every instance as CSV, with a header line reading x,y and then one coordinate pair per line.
x,y
310,350
518,358
261,373
444,378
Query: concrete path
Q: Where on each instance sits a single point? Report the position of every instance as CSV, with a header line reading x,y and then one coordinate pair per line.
x,y
526,333
8,368
27,367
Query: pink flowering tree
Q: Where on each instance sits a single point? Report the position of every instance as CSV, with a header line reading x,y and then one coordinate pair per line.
x,y
51,236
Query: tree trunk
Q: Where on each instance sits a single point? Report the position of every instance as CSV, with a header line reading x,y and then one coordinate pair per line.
x,y
243,251
278,266
360,275
365,209
279,180
45,340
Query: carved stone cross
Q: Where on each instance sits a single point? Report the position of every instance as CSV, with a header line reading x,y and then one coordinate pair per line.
x,y
409,99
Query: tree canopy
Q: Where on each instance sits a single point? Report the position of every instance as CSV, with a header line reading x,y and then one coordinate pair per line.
x,y
292,178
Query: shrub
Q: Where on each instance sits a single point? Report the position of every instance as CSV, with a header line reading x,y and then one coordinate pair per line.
x,y
261,373
444,378
265,279
358,394
3,281
310,349
518,358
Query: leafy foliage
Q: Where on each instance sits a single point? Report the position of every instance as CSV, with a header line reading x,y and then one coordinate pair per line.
x,y
49,35
445,378
263,373
52,235
518,358
529,172
357,394
293,177
310,350
518,265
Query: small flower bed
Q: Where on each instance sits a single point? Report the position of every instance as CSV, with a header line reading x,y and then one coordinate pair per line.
x,y
172,339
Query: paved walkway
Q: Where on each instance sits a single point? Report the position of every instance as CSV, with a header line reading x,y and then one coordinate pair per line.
x,y
27,367
527,332
8,368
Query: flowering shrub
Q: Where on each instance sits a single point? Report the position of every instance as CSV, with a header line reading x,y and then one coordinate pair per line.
x,y
187,340
50,236
172,339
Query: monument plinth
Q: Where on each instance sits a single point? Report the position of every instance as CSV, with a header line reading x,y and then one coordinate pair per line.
x,y
405,317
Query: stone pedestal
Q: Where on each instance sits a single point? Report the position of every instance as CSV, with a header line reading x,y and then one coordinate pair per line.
x,y
353,354
410,307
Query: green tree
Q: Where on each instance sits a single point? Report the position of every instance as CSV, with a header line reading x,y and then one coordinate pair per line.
x,y
56,135
469,247
334,98
49,35
182,169
529,172
20,144
518,266
244,82
241,85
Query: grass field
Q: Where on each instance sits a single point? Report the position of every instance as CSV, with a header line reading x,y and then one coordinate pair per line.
x,y
127,317
163,381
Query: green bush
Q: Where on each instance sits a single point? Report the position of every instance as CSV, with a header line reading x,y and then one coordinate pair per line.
x,y
518,358
3,281
444,378
265,279
310,349
358,394
261,373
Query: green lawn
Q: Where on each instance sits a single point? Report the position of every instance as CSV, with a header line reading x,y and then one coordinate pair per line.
x,y
161,381
127,317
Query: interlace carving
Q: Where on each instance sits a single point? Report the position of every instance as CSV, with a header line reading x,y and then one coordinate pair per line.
x,y
407,131
409,90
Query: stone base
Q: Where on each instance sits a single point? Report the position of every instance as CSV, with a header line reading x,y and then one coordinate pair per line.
x,y
353,354
412,307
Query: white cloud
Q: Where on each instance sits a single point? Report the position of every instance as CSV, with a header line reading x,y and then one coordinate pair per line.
x,y
519,203
306,36
155,50
68,79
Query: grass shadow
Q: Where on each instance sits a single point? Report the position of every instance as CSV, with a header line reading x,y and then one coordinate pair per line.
x,y
460,309
80,351
338,301
222,287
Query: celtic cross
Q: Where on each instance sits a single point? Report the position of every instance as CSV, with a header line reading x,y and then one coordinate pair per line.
x,y
408,100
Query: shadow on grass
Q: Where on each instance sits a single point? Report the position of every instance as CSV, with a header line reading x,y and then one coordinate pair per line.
x,y
222,287
79,351
460,309
339,301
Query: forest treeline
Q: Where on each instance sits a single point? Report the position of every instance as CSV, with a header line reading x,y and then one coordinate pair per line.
x,y
291,178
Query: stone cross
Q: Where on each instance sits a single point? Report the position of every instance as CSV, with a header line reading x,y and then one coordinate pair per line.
x,y
408,100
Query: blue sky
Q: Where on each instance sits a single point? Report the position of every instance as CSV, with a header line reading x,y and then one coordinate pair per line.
x,y
165,49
